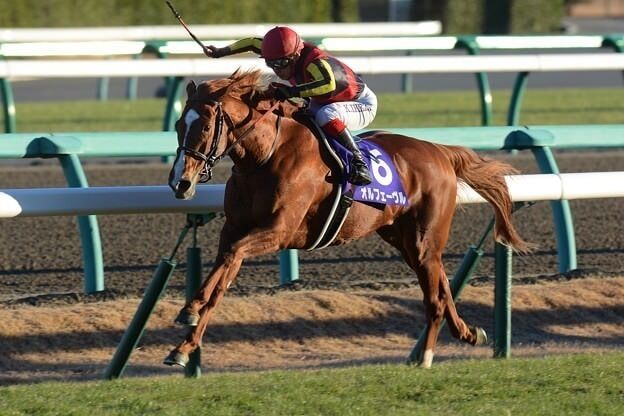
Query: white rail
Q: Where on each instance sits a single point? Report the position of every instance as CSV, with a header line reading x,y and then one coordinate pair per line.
x,y
209,198
363,42
77,48
552,187
172,32
15,69
371,43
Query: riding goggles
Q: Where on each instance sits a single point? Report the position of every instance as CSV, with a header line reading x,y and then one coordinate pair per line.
x,y
279,63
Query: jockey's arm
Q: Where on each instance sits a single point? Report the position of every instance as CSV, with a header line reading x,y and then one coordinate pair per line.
x,y
323,80
240,46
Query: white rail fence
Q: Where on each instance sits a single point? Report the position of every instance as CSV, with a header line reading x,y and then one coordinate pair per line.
x,y
337,41
173,32
16,69
209,198
177,69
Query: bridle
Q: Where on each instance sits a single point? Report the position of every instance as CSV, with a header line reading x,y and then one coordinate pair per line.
x,y
210,158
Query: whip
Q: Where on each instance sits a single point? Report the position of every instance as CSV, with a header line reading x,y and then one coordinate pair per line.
x,y
207,51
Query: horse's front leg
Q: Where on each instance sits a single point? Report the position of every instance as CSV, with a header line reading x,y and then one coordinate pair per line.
x,y
190,313
198,311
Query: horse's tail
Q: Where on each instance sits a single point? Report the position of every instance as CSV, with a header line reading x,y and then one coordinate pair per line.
x,y
486,177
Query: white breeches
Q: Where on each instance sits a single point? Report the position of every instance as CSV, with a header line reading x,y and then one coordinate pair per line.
x,y
354,114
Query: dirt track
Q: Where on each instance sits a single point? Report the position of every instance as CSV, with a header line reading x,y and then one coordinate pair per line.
x,y
41,265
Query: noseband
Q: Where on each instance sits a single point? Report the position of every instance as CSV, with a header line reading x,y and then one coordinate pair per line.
x,y
210,159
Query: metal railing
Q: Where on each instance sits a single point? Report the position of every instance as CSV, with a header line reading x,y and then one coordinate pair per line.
x,y
68,148
177,69
408,38
135,199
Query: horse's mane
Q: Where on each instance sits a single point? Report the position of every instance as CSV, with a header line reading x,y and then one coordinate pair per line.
x,y
247,86
241,85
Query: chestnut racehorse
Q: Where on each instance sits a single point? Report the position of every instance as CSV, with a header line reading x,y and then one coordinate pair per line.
x,y
278,197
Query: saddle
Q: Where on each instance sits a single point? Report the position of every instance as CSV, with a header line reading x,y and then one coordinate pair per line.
x,y
385,188
342,194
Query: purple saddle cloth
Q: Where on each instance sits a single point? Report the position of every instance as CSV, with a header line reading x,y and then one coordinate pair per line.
x,y
386,187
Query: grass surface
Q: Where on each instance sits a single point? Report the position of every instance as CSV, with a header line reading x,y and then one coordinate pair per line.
x,y
566,106
587,384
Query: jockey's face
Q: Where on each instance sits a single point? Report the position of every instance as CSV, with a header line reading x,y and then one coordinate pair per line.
x,y
284,67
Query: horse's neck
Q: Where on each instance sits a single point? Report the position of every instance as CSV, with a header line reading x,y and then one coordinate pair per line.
x,y
256,146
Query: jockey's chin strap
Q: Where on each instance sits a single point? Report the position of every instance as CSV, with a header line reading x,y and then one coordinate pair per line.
x,y
210,159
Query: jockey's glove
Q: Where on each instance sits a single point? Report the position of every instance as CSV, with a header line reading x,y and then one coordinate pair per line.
x,y
280,92
214,52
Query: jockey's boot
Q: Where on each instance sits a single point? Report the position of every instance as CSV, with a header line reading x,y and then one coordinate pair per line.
x,y
359,171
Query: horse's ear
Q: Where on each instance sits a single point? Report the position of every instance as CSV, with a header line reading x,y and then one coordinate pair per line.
x,y
236,74
191,88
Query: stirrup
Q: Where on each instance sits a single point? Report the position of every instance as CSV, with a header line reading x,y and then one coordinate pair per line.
x,y
359,173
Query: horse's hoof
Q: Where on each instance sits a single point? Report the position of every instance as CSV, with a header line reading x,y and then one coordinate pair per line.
x,y
187,318
427,359
481,336
176,358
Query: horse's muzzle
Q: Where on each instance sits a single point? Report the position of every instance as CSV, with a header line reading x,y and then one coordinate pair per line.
x,y
184,189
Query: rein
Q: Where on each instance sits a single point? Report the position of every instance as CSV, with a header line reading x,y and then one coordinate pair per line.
x,y
246,132
210,159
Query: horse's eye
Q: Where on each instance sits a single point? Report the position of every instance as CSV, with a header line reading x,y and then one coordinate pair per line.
x,y
205,129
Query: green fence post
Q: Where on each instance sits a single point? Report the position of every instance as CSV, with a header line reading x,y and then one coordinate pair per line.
x,y
289,266
156,47
193,280
485,94
102,91
154,291
616,42
8,108
407,84
132,85
88,226
562,215
513,113
173,107
134,332
502,301
133,82
103,84
538,141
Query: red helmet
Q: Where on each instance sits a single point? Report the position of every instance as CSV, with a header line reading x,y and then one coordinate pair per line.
x,y
280,42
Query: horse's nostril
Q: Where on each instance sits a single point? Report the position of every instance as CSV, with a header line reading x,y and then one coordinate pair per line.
x,y
183,186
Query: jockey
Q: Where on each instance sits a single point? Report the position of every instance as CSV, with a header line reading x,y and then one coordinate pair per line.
x,y
339,99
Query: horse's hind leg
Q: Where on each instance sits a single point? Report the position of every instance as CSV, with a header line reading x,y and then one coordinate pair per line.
x,y
439,303
471,334
428,269
422,251
421,235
